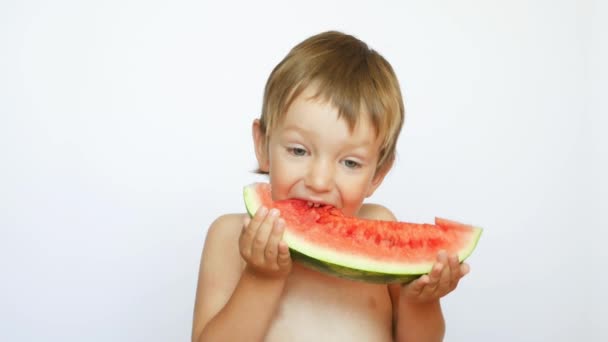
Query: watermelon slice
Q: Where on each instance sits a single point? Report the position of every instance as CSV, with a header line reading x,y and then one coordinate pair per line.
x,y
368,250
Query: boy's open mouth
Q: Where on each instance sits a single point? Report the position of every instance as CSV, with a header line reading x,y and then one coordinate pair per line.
x,y
315,205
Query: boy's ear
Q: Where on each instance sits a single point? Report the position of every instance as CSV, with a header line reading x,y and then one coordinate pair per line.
x,y
259,142
379,177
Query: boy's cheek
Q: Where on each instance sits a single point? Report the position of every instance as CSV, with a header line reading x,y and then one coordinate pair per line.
x,y
282,178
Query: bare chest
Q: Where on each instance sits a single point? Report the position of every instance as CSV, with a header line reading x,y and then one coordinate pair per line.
x,y
319,308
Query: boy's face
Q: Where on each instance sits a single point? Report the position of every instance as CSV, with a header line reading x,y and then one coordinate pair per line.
x,y
312,155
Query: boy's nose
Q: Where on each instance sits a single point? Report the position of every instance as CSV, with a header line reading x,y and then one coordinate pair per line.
x,y
319,177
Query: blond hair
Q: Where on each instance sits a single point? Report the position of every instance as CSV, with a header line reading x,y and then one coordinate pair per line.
x,y
354,78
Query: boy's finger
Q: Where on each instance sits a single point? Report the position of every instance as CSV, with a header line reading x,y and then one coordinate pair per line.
x,y
419,285
434,277
259,216
251,226
435,274
442,257
246,222
453,261
454,270
261,237
247,235
284,258
272,247
445,280
465,269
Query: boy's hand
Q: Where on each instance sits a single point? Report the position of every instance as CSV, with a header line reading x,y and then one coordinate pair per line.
x,y
261,246
443,279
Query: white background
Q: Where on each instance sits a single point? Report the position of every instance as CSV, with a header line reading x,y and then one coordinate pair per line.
x,y
125,130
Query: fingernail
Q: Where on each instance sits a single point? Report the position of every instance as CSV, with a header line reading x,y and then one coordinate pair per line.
x,y
263,210
274,212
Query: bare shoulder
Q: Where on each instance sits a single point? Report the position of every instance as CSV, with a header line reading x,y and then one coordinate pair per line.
x,y
221,242
220,268
373,211
227,226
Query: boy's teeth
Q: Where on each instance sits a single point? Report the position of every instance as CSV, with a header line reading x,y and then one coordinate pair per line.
x,y
313,205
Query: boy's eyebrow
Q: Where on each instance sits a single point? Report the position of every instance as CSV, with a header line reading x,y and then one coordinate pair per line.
x,y
349,143
300,130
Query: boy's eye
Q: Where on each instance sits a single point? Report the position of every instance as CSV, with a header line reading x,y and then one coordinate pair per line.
x,y
297,151
351,164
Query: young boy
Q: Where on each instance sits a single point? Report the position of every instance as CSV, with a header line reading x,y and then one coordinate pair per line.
x,y
330,120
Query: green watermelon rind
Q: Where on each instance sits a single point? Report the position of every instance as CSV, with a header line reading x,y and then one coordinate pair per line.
x,y
351,266
351,273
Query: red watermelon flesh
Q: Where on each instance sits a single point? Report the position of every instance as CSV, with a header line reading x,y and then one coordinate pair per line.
x,y
369,250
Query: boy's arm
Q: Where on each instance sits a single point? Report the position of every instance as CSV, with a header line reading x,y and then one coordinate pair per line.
x,y
228,296
247,314
419,316
416,321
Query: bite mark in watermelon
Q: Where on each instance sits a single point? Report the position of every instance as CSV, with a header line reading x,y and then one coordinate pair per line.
x,y
359,249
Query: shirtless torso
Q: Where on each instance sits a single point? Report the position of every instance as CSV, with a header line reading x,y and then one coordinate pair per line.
x,y
316,307
313,306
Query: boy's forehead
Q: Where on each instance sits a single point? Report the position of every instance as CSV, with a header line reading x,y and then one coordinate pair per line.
x,y
311,99
314,115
